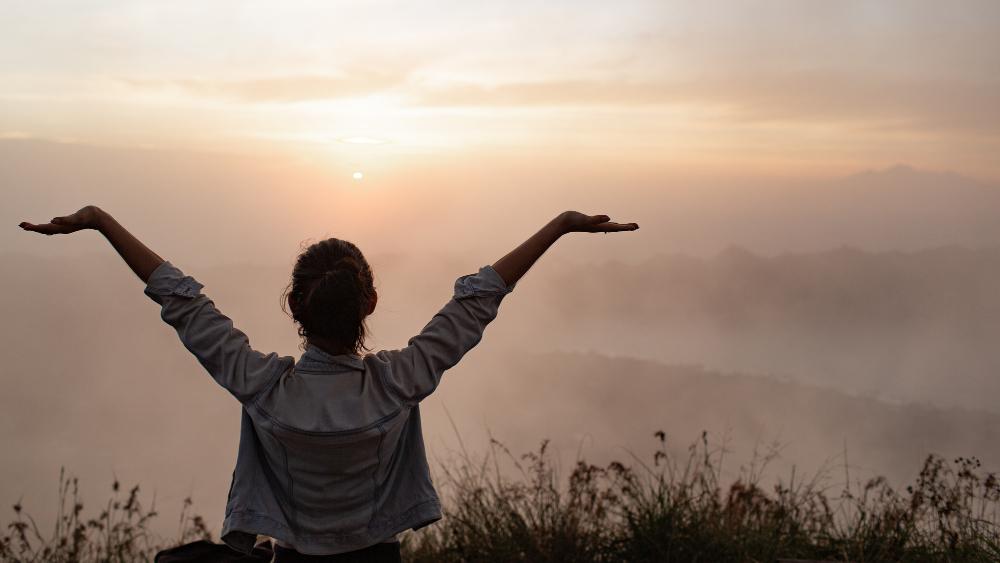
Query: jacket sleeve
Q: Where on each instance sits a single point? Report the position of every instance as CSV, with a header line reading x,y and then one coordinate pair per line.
x,y
414,372
222,350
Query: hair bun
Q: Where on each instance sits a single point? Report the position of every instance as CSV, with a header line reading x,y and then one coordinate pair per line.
x,y
332,287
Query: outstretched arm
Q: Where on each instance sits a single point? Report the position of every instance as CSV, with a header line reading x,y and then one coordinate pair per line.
x,y
415,371
141,259
222,349
516,263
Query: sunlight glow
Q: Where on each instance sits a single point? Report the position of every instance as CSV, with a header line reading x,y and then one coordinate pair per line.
x,y
409,78
364,141
357,175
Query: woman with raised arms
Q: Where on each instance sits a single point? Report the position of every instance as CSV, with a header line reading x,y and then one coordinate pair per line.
x,y
331,460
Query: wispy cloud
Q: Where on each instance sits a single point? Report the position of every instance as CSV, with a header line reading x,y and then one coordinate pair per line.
x,y
281,88
788,97
850,99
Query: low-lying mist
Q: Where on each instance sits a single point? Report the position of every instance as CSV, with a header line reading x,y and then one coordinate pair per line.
x,y
886,353
879,357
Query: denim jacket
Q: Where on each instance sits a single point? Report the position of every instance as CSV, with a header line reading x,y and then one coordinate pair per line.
x,y
331,456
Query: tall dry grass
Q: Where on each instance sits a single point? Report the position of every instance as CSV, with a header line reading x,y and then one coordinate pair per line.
x,y
120,532
679,509
670,509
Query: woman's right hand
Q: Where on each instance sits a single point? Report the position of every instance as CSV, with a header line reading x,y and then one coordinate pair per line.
x,y
576,222
517,262
87,218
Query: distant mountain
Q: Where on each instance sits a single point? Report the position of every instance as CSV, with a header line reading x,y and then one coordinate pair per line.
x,y
258,209
900,208
904,326
831,290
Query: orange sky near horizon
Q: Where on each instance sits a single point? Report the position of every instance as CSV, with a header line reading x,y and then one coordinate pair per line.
x,y
806,89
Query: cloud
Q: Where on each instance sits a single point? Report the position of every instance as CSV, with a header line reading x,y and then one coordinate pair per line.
x,y
784,97
846,98
283,88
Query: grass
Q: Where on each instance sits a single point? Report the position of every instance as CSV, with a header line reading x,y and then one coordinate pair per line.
x,y
671,509
679,510
119,534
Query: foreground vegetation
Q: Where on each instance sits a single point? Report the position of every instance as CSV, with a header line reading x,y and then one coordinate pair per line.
x,y
679,510
675,509
119,534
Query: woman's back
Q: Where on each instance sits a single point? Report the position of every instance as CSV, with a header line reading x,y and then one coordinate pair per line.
x,y
340,450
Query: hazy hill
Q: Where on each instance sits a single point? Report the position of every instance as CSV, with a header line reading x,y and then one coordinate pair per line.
x,y
599,406
834,289
920,326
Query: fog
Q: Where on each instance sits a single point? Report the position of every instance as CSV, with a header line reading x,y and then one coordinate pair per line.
x,y
851,319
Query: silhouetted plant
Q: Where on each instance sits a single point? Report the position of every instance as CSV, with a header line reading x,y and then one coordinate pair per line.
x,y
678,510
120,533
490,518
675,509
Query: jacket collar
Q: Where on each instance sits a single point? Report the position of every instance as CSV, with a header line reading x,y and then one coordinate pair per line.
x,y
315,359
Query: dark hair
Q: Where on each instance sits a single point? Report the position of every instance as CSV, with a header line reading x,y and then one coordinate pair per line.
x,y
330,294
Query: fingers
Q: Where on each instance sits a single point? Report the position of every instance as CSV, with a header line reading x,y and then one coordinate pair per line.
x,y
82,219
609,227
52,228
578,222
73,220
32,227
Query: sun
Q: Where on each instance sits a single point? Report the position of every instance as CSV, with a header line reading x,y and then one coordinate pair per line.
x,y
357,175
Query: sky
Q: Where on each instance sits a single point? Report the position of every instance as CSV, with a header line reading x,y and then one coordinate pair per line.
x,y
226,133
789,88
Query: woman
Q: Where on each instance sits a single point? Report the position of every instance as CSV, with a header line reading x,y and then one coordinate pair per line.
x,y
331,459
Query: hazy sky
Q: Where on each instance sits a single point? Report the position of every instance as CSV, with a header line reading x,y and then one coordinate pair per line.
x,y
229,131
807,88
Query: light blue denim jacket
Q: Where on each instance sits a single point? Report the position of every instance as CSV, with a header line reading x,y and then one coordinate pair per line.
x,y
331,456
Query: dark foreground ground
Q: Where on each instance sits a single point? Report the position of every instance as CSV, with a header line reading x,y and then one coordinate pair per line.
x,y
668,508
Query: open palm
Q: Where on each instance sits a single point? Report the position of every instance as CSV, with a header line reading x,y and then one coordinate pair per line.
x,y
576,222
86,218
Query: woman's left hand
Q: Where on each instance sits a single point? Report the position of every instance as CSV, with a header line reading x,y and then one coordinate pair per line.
x,y
576,222
87,218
